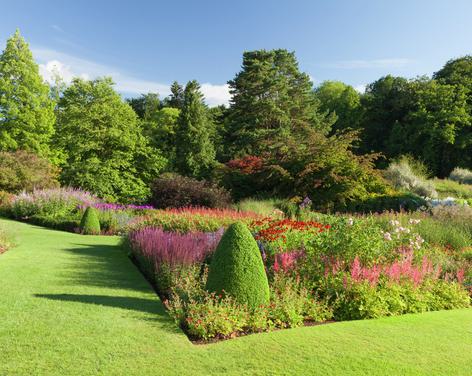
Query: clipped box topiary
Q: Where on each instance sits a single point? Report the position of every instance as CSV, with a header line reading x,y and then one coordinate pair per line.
x,y
90,224
237,268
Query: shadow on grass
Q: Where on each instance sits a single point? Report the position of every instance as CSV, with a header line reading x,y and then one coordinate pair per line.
x,y
101,265
153,307
125,302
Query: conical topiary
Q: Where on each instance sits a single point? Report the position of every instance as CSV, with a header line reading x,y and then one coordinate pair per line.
x,y
90,224
237,268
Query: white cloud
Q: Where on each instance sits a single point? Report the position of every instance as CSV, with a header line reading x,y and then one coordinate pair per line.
x,y
216,94
371,64
360,88
52,62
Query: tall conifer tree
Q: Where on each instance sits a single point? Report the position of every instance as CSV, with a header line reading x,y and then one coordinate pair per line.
x,y
26,109
195,151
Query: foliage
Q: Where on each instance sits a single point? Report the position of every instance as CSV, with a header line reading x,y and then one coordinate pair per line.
x,y
310,164
236,268
451,188
394,201
175,191
161,253
402,176
160,130
205,315
177,97
90,224
343,100
195,153
102,144
276,235
26,110
271,98
55,202
185,220
264,207
386,104
439,126
461,175
24,171
145,106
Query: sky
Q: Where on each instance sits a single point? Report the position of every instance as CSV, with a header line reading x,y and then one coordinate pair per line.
x,y
145,45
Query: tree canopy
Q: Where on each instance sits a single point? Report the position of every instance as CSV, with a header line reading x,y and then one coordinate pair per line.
x,y
26,109
102,144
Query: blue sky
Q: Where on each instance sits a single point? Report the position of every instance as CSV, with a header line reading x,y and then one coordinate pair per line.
x,y
145,45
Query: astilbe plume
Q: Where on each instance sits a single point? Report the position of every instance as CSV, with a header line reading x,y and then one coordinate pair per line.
x,y
286,261
396,272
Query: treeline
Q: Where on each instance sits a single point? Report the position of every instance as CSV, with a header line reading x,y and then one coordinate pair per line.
x,y
279,136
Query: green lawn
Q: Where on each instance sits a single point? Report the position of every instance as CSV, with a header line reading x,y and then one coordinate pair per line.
x,y
75,305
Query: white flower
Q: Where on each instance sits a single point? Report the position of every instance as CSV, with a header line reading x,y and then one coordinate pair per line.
x,y
387,236
350,221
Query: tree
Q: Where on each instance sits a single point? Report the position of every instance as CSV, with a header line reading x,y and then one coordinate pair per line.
x,y
161,132
457,72
146,106
26,110
439,128
195,153
176,98
387,102
270,98
343,100
25,171
102,143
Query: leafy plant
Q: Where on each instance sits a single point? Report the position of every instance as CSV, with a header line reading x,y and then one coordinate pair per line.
x,y
237,269
403,176
175,191
24,171
90,224
461,175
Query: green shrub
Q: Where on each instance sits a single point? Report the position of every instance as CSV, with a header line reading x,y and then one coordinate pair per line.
x,y
237,268
90,224
175,191
403,175
386,202
25,171
461,175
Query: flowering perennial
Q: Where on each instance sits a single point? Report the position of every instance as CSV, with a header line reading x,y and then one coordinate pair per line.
x,y
160,247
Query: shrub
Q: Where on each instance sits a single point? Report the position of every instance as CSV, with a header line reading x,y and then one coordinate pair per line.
x,y
237,268
396,201
461,175
52,202
25,171
90,224
174,191
291,303
403,176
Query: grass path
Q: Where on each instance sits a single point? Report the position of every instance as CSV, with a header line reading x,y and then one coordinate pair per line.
x,y
75,305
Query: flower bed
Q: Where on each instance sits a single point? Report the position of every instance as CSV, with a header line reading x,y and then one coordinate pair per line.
x,y
341,269
192,219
